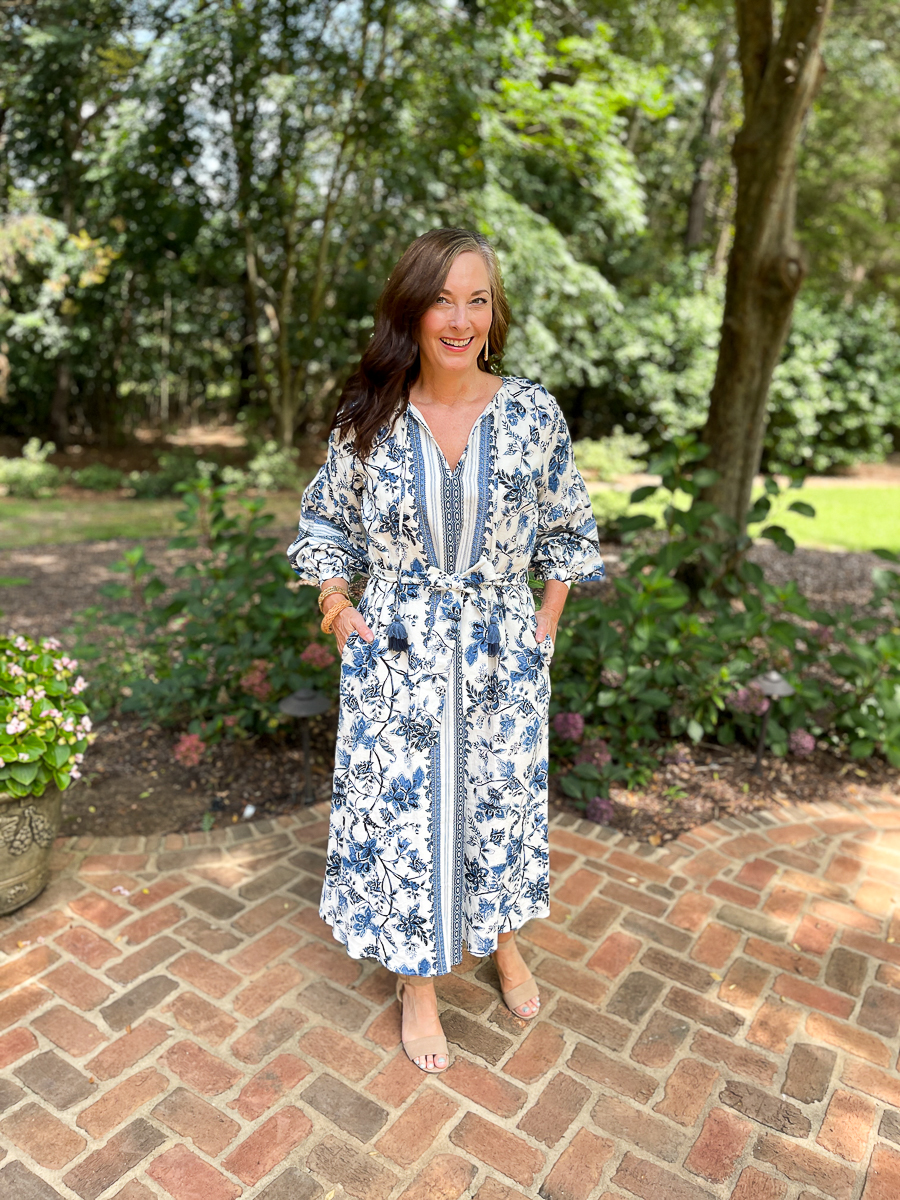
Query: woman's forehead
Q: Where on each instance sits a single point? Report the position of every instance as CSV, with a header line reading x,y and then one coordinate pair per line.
x,y
468,273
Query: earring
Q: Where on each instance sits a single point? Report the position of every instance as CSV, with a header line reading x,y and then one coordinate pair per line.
x,y
487,353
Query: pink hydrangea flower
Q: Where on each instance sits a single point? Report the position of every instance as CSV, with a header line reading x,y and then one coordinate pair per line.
x,y
749,700
600,809
255,680
231,720
317,655
801,743
189,750
569,725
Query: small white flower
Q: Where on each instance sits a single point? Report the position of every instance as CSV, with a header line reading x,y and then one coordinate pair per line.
x,y
79,685
23,757
51,643
79,758
14,669
75,773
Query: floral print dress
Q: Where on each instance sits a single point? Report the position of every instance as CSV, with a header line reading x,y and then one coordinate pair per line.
x,y
438,830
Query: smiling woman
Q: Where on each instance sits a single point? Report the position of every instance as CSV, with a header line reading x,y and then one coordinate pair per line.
x,y
445,484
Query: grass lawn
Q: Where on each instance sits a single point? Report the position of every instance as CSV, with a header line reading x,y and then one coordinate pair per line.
x,y
56,521
847,518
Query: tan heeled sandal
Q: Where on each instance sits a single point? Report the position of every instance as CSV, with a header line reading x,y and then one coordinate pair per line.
x,y
519,995
435,1044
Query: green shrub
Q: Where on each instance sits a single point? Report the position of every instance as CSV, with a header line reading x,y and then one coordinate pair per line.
x,y
691,622
174,469
218,651
31,475
835,395
272,469
607,458
98,477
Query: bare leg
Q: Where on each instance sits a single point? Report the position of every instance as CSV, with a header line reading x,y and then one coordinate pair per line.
x,y
420,1017
513,971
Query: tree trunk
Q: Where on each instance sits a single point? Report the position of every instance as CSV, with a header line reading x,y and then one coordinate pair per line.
x,y
62,394
706,146
765,269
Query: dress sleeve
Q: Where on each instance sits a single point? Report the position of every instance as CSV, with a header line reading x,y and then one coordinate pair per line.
x,y
567,546
331,540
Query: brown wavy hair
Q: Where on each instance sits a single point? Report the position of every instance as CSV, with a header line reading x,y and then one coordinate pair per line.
x,y
378,390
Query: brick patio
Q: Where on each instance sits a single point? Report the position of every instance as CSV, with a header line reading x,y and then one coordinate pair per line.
x,y
720,1019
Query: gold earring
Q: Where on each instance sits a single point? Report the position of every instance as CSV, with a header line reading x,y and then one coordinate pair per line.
x,y
487,354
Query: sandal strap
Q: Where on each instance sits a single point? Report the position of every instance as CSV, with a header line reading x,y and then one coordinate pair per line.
x,y
435,1044
522,992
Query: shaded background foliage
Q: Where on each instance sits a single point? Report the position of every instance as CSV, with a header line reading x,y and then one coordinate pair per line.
x,y
200,202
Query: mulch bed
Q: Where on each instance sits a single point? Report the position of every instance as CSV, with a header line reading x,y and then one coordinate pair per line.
x,y
132,785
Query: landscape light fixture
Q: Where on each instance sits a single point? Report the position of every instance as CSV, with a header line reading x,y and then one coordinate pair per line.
x,y
306,703
776,687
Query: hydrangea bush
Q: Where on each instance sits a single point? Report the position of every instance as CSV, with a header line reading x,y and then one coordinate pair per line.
x,y
215,653
672,649
44,724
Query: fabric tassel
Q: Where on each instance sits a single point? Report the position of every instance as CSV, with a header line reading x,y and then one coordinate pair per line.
x,y
396,635
492,637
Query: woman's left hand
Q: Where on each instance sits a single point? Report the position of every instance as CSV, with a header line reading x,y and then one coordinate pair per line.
x,y
546,624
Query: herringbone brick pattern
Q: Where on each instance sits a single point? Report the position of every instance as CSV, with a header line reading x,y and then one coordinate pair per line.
x,y
720,1019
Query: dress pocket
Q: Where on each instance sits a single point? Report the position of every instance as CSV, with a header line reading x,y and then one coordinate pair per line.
x,y
352,638
546,647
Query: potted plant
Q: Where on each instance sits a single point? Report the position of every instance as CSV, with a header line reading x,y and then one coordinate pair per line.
x,y
43,737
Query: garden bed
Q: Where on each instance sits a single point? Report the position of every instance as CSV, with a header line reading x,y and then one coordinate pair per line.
x,y
133,785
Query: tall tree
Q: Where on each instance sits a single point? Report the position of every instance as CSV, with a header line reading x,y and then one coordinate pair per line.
x,y
781,69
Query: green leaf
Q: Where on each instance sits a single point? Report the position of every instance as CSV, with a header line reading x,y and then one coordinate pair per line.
x,y
631,524
705,477
694,731
59,755
805,510
571,785
642,493
586,771
24,773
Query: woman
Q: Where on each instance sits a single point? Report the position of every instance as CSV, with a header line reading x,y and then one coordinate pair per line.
x,y
445,484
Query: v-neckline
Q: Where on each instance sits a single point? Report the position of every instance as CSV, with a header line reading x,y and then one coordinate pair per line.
x,y
421,416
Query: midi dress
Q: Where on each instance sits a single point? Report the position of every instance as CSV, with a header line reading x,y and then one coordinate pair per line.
x,y
438,830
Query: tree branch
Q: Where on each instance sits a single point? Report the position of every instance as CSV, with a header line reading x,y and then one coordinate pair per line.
x,y
755,28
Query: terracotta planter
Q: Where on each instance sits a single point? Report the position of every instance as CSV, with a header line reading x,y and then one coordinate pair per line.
x,y
28,827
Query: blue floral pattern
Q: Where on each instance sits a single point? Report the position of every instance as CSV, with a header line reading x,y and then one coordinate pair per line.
x,y
439,813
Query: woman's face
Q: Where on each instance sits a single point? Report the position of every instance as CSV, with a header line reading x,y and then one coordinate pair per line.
x,y
452,332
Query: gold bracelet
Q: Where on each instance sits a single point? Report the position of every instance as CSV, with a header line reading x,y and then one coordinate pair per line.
x,y
329,618
330,591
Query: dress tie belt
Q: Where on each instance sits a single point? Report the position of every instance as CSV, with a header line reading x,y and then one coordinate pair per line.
x,y
481,575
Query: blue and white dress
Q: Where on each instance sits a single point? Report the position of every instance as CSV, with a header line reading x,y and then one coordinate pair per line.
x,y
439,812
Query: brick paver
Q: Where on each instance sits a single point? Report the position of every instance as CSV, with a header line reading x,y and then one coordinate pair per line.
x,y
720,1019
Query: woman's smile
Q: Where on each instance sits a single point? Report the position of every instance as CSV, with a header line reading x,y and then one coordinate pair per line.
x,y
457,344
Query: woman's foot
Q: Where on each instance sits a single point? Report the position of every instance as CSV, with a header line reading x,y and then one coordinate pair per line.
x,y
420,1020
514,973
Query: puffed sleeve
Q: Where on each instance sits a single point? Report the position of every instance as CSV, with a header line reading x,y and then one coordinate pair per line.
x,y
331,540
567,546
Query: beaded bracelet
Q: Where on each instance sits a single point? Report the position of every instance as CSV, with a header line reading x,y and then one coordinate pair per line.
x,y
330,591
329,618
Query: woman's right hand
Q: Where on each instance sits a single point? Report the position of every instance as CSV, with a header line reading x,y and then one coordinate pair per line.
x,y
345,622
